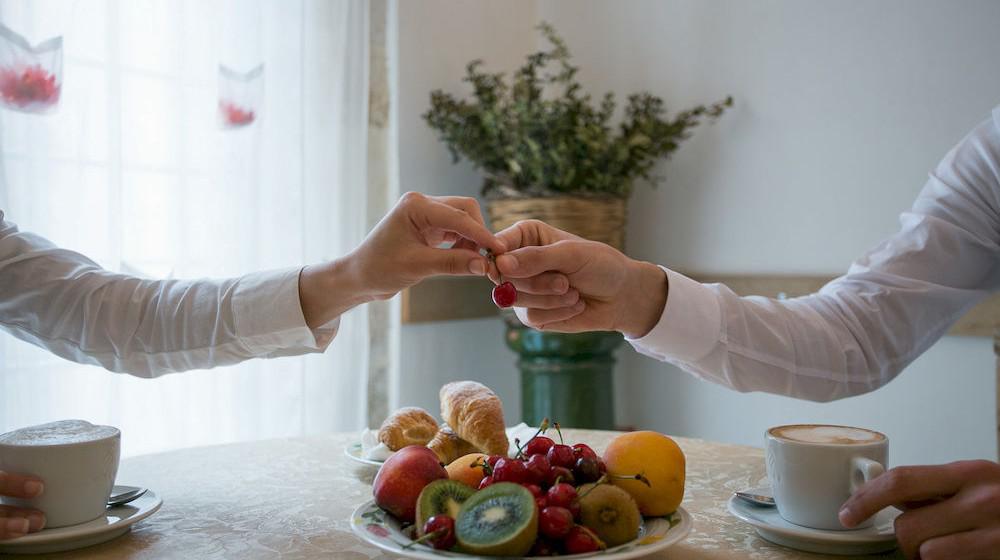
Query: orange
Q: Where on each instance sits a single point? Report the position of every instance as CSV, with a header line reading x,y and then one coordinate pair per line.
x,y
461,469
659,459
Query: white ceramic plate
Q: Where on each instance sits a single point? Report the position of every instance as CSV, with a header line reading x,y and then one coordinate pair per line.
x,y
384,531
353,452
116,522
772,527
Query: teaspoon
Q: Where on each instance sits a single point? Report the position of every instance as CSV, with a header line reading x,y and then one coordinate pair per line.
x,y
121,495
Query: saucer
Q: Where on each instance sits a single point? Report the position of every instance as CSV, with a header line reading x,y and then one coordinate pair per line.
x,y
116,522
353,452
772,527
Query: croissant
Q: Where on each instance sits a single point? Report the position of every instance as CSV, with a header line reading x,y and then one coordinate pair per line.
x,y
407,426
448,446
475,413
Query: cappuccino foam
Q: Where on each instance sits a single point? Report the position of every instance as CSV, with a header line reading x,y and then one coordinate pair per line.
x,y
58,433
811,433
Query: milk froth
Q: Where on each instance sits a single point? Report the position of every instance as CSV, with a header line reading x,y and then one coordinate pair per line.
x,y
812,433
58,433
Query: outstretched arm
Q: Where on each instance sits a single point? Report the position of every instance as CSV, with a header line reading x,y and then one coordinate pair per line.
x,y
851,337
63,301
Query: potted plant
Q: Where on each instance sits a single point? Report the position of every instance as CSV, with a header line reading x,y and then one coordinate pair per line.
x,y
549,151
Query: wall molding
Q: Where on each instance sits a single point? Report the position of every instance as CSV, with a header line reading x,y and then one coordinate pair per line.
x,y
458,298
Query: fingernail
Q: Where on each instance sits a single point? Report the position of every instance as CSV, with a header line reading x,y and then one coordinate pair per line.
x,y
845,517
17,526
509,262
477,267
36,522
33,488
560,285
578,306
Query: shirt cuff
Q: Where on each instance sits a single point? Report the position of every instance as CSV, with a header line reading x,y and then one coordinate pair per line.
x,y
268,314
690,326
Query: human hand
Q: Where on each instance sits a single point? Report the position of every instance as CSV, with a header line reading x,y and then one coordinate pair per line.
x,y
400,251
14,521
949,511
604,290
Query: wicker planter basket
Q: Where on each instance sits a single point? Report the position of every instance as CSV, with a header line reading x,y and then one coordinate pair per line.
x,y
598,219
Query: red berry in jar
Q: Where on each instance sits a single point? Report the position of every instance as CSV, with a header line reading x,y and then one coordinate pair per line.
x,y
441,529
539,445
555,522
504,295
560,455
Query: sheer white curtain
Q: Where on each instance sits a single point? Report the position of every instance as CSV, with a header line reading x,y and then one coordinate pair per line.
x,y
133,171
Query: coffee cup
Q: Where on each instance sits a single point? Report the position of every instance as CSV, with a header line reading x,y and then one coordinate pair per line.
x,y
814,469
77,462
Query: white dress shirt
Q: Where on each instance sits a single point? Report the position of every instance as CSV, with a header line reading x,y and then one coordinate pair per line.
x,y
63,301
863,328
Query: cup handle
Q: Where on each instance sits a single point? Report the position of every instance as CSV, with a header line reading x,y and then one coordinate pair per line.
x,y
864,469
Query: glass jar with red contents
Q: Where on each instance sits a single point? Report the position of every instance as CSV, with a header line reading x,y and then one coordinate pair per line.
x,y
240,96
30,76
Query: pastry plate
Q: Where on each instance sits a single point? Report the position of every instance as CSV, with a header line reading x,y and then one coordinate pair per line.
x,y
115,522
384,531
773,528
353,452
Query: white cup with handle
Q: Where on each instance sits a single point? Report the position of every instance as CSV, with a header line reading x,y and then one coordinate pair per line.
x,y
77,462
814,469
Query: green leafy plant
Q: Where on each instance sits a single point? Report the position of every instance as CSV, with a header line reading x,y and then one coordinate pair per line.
x,y
539,134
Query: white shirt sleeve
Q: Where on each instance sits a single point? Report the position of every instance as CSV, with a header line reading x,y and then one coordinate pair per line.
x,y
66,303
863,328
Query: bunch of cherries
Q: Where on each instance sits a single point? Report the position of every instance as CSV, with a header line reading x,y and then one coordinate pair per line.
x,y
550,471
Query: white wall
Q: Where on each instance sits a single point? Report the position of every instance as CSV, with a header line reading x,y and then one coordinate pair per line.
x,y
841,109
437,38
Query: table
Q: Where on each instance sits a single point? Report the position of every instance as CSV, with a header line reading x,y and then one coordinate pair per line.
x,y
291,499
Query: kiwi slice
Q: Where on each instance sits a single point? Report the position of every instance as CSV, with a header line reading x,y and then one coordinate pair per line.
x,y
499,520
610,512
441,496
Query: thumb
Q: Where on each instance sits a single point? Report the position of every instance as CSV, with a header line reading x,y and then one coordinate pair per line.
x,y
452,262
563,256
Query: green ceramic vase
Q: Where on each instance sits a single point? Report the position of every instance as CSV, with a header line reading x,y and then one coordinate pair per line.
x,y
565,377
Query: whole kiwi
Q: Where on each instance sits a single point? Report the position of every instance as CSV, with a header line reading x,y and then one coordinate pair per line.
x,y
610,512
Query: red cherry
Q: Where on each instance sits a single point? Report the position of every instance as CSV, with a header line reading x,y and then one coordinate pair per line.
x,y
555,522
538,468
574,508
442,529
602,465
492,460
561,495
583,450
541,503
510,470
580,540
561,474
535,490
504,295
486,481
586,470
560,455
539,445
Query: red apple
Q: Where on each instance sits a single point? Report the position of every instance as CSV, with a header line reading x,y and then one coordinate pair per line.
x,y
401,478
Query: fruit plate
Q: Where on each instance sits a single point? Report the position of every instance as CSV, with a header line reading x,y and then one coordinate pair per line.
x,y
353,452
377,527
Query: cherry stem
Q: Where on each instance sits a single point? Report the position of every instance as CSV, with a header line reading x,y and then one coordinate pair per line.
x,y
561,442
432,535
541,430
640,477
487,468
